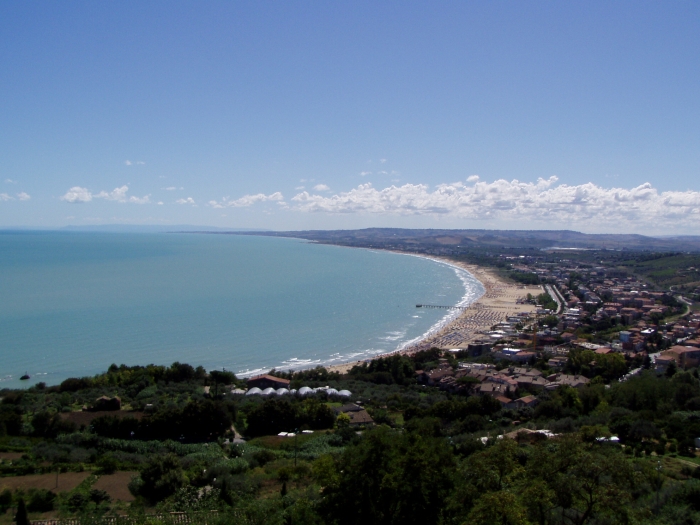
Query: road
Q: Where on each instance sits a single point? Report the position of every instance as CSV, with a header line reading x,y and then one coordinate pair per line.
x,y
636,371
554,294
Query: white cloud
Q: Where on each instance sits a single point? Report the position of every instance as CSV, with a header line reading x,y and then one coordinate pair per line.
x,y
127,162
365,173
247,200
173,188
140,200
23,196
160,203
10,181
543,201
382,161
299,188
321,187
137,162
382,172
117,194
5,197
188,200
140,162
77,194
472,178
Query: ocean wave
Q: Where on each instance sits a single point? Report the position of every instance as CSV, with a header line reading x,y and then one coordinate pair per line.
x,y
471,294
473,290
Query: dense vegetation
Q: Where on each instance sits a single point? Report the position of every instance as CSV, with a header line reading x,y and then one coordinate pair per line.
x,y
422,463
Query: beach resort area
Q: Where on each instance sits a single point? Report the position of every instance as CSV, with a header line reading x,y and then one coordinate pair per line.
x,y
500,301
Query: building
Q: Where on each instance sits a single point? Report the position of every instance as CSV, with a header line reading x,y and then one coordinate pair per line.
x,y
358,415
267,381
683,355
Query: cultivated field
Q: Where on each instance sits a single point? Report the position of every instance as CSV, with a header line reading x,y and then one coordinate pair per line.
x,y
116,485
66,481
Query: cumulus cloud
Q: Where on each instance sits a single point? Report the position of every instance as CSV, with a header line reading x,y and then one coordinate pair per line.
x,y
77,195
188,200
127,162
543,201
20,196
365,173
321,187
247,200
10,181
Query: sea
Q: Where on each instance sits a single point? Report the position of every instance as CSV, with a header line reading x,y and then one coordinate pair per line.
x,y
73,303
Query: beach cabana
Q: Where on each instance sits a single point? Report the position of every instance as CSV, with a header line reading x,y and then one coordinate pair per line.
x,y
269,391
282,391
255,391
305,391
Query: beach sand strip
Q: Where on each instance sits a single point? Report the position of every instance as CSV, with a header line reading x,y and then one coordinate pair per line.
x,y
500,301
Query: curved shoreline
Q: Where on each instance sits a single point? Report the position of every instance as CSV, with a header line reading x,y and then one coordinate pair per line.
x,y
499,301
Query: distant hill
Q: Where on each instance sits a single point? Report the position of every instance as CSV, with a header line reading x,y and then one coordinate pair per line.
x,y
454,240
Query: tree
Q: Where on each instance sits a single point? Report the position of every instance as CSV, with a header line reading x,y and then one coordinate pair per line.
x,y
671,369
21,517
550,321
388,477
161,477
498,508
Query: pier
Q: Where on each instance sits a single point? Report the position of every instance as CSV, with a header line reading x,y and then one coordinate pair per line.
x,y
443,306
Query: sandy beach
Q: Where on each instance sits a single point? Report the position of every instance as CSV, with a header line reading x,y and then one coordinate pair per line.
x,y
500,301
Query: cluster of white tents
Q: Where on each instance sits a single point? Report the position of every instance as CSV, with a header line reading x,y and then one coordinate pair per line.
x,y
303,391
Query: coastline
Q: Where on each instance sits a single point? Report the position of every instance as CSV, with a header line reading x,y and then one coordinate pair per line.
x,y
499,301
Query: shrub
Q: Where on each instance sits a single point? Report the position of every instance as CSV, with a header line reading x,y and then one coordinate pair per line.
x,y
41,501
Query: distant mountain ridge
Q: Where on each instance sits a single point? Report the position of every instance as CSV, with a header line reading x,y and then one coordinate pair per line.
x,y
400,238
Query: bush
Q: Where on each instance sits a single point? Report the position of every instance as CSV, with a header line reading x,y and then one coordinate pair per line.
x,y
99,496
41,501
107,464
5,500
161,477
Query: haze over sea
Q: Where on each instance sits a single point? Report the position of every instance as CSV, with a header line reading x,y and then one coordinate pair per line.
x,y
72,303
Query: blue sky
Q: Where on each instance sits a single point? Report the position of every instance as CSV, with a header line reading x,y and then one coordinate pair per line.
x,y
290,115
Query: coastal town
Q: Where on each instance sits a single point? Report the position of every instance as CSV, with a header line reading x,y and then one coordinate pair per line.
x,y
517,340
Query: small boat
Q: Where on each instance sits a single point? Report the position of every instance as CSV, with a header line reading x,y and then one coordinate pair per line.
x,y
24,377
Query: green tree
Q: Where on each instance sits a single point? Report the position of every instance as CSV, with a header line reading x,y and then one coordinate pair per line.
x,y
498,508
160,477
388,477
21,517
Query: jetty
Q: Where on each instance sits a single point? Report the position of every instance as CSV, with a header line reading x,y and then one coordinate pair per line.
x,y
444,306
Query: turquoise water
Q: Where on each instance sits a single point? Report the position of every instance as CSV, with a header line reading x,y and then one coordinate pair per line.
x,y
73,303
